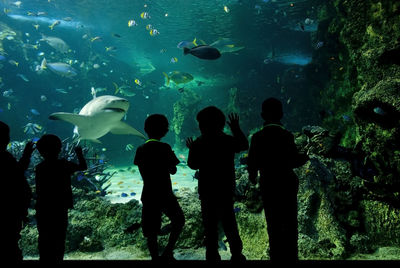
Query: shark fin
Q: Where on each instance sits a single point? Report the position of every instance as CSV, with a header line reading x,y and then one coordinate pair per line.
x,y
123,128
75,119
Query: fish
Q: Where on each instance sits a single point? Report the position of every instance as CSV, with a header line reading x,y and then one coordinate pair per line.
x,y
13,62
61,90
154,32
132,193
2,58
149,27
98,117
301,60
43,98
59,68
174,60
124,90
23,77
35,112
17,4
183,44
8,93
32,128
319,44
116,35
378,110
226,45
111,48
145,15
204,52
56,43
95,38
119,183
132,23
124,195
54,24
226,9
138,82
346,118
178,77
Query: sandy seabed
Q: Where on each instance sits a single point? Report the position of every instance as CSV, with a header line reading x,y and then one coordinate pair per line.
x,y
127,184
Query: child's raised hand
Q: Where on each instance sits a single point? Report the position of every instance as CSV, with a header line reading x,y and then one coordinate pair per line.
x,y
28,150
233,121
189,142
78,150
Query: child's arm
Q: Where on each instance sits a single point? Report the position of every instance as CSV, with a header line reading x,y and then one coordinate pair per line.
x,y
251,161
81,160
242,143
192,162
23,162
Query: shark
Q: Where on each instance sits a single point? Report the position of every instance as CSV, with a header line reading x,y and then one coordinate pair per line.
x,y
98,117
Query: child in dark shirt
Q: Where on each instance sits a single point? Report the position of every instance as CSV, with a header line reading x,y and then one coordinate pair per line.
x,y
273,153
54,196
213,155
15,198
156,161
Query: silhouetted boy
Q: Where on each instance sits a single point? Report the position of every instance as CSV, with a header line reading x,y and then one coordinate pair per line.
x,y
213,153
14,198
274,153
54,196
156,161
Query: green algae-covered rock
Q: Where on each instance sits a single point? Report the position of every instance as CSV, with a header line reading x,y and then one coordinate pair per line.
x,y
94,224
382,223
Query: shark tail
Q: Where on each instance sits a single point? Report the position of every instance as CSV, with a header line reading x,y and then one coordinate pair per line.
x,y
168,79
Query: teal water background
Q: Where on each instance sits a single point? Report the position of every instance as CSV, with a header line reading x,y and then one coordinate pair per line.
x,y
261,27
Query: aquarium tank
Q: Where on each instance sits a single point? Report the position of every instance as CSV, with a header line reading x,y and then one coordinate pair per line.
x,y
334,65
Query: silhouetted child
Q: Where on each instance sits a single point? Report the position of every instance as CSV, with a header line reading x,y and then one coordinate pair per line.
x,y
213,153
54,196
15,196
274,153
156,161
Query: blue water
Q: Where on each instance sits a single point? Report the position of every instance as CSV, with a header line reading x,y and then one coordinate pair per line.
x,y
104,50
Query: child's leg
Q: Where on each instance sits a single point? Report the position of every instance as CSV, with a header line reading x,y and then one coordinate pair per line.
x,y
152,245
175,214
151,223
231,230
210,223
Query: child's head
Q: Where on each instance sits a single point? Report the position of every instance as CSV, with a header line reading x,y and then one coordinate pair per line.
x,y
211,120
4,135
272,110
156,126
49,146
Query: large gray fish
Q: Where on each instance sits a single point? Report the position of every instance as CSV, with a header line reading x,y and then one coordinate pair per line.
x,y
59,68
98,117
56,43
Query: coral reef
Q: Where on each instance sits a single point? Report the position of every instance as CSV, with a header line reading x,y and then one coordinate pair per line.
x,y
183,122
